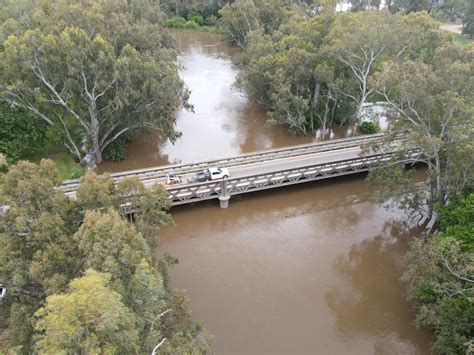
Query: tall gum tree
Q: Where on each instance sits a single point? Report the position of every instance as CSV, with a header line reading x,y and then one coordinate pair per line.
x,y
434,102
84,89
362,41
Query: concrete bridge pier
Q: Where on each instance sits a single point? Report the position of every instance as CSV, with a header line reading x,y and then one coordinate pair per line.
x,y
224,196
224,201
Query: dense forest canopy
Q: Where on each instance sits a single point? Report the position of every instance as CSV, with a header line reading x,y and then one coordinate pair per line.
x,y
80,276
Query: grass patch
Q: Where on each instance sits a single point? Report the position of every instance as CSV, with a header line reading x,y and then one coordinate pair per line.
x,y
462,40
68,168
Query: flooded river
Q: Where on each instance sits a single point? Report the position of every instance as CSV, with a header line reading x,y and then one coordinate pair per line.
x,y
311,269
224,122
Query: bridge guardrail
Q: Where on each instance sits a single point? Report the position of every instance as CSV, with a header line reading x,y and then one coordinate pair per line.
x,y
247,158
234,186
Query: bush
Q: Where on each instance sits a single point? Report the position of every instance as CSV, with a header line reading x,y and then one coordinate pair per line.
x,y
210,21
175,22
180,22
116,151
195,17
21,133
368,127
191,25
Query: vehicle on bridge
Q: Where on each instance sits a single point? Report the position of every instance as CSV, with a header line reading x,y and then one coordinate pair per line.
x,y
212,174
173,179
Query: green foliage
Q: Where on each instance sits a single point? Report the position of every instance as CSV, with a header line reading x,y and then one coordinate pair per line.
x,y
439,281
110,244
117,150
241,17
313,72
180,22
195,17
123,304
93,71
368,127
440,277
21,134
457,220
90,318
435,116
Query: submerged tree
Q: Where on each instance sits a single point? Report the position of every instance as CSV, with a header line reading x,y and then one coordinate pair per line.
x,y
362,41
241,17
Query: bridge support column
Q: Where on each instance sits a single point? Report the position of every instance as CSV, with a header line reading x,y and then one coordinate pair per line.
x,y
224,201
224,197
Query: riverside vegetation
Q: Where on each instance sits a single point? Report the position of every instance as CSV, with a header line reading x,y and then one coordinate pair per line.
x,y
81,275
86,75
91,72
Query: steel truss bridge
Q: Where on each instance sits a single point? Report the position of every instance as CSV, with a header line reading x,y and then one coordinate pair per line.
x,y
261,170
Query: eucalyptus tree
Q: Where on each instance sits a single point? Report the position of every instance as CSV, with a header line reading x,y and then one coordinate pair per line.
x,y
440,278
362,41
291,75
359,41
241,17
434,105
49,242
92,71
89,318
238,19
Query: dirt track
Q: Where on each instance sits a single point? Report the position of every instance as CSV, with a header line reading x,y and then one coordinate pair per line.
x,y
452,27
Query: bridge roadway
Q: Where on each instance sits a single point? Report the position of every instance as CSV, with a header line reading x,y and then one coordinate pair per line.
x,y
279,164
260,170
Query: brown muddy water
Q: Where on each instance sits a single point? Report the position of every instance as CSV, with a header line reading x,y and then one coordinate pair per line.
x,y
224,122
311,269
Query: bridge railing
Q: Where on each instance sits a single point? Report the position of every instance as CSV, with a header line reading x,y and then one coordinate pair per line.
x,y
236,186
247,158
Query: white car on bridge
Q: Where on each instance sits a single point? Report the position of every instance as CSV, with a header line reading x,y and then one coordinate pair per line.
x,y
212,174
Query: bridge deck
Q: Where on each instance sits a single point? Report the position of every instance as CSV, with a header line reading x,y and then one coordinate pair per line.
x,y
260,170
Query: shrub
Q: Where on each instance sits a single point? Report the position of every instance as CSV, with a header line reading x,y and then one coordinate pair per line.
x,y
195,17
116,151
175,22
368,127
21,133
180,22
